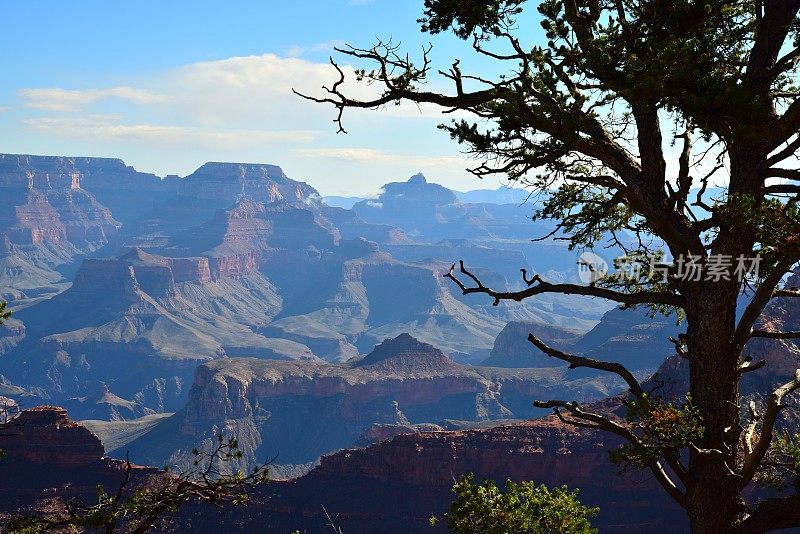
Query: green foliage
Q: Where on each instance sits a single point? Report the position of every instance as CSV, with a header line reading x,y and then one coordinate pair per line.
x,y
661,426
465,17
26,525
781,467
4,313
521,508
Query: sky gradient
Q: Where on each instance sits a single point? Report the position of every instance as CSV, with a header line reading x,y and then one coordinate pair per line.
x,y
167,86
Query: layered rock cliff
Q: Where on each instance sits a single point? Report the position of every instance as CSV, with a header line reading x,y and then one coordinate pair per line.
x,y
50,458
397,485
154,317
46,221
299,411
512,348
227,183
234,260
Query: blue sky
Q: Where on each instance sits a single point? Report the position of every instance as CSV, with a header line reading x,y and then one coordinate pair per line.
x,y
169,85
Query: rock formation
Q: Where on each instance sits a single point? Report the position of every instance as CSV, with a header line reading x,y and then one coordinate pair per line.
x,y
512,348
47,219
150,277
404,480
50,457
46,436
299,411
397,485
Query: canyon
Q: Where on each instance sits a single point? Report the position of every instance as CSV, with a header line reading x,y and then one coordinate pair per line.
x,y
107,268
293,412
165,311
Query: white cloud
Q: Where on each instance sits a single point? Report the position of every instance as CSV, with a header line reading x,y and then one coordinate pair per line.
x,y
241,107
247,91
158,136
370,155
296,51
57,99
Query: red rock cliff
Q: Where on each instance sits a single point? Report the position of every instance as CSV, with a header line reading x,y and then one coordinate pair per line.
x,y
45,435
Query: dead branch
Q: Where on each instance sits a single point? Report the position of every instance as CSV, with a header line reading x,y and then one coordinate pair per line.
x,y
591,420
537,286
762,296
775,335
575,362
774,406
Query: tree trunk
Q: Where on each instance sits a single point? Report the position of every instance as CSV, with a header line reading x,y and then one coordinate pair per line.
x,y
713,498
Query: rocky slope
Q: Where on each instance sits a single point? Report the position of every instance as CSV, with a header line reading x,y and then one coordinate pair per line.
x,y
512,348
298,411
51,458
47,220
157,318
396,485
631,337
155,276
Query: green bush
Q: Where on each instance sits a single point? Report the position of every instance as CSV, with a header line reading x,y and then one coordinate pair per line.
x,y
521,509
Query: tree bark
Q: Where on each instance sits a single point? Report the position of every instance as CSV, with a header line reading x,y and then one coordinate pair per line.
x,y
713,496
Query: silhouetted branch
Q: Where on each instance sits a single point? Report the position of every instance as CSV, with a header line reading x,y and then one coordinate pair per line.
x,y
142,507
760,448
537,286
591,420
762,296
575,362
772,514
748,366
775,335
680,346
398,74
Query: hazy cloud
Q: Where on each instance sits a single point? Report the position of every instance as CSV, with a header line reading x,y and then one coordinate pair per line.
x,y
370,155
57,99
242,107
296,51
108,127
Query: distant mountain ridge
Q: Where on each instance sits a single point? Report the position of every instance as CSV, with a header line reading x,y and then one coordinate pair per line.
x,y
234,260
300,410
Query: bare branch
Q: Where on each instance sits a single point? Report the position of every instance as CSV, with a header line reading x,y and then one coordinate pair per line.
x,y
772,514
537,286
595,421
774,406
575,362
773,172
760,299
787,152
782,189
748,366
775,335
750,431
394,89
680,346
